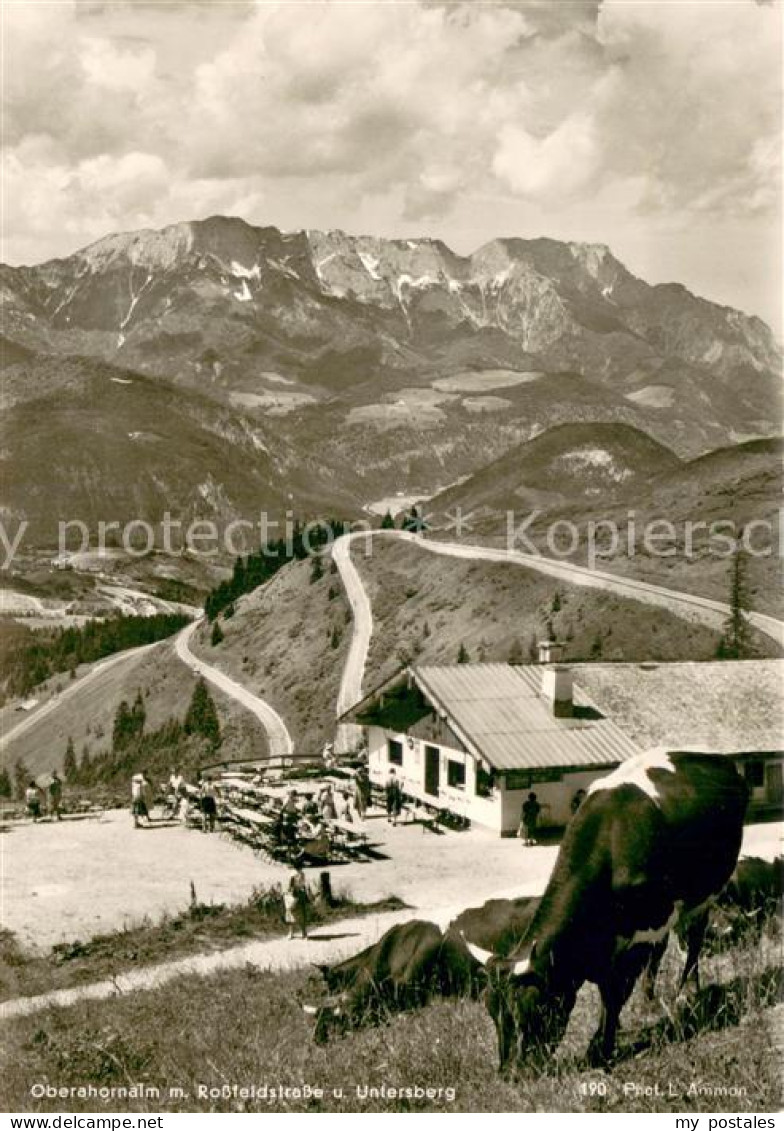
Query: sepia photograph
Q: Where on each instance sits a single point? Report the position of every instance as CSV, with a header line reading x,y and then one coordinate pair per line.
x,y
391,622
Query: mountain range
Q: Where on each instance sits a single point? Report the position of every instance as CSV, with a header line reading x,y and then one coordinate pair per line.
x,y
229,368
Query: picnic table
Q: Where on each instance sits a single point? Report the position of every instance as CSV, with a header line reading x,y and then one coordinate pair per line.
x,y
255,815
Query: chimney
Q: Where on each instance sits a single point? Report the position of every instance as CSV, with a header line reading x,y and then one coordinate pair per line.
x,y
557,690
550,651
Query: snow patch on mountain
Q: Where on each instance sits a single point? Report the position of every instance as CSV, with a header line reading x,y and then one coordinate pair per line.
x,y
595,459
370,263
134,300
241,272
283,267
591,256
243,294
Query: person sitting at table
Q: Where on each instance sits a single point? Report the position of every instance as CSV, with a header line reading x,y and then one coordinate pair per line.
x,y
288,818
343,806
327,804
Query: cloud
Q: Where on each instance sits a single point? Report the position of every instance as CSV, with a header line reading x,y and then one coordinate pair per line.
x,y
119,114
559,164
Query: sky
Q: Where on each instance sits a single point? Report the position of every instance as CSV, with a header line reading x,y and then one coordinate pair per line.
x,y
653,127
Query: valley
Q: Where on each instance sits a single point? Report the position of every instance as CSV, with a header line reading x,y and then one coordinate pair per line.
x,y
170,396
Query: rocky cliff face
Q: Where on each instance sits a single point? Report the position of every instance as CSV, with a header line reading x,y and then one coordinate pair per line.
x,y
572,305
371,366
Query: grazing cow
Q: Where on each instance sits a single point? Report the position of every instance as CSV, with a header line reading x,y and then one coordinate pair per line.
x,y
751,899
413,963
651,844
498,925
409,965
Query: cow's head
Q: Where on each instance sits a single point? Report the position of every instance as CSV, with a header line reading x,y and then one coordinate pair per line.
x,y
530,1016
331,1018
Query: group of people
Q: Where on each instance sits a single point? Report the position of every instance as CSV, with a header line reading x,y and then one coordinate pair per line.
x,y
50,798
180,796
308,818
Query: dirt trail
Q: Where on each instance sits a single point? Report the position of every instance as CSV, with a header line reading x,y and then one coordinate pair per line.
x,y
467,878
35,716
278,737
328,944
687,605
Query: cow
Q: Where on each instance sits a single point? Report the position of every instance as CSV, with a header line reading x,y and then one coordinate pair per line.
x,y
408,965
650,845
751,899
499,924
415,962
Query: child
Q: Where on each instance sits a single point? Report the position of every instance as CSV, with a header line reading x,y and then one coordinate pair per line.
x,y
295,904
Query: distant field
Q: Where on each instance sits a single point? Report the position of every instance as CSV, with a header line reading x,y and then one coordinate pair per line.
x,y
483,380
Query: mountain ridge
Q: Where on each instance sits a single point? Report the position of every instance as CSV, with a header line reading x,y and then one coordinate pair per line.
x,y
525,278
381,366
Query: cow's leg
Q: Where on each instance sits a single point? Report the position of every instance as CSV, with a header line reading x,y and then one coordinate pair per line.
x,y
615,991
652,969
694,930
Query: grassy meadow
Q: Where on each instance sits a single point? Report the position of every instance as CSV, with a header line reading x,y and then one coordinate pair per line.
x,y
201,1041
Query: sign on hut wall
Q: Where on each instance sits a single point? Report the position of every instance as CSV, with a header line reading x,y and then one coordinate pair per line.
x,y
434,729
524,779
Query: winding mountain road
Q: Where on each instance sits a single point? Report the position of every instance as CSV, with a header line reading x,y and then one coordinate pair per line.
x,y
56,701
278,737
688,605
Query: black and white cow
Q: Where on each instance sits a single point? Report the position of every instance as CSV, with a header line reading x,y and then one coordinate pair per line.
x,y
651,844
413,963
407,967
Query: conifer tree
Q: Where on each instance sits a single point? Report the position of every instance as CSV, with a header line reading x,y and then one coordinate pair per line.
x,y
69,761
201,717
735,643
463,656
217,634
138,715
21,778
6,789
122,729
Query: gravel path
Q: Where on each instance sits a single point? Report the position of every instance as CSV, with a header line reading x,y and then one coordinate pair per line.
x,y
701,609
278,737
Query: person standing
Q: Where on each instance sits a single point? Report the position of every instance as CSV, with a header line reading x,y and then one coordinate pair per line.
x,y
33,801
577,801
343,806
530,818
296,904
209,805
394,798
327,804
140,793
55,796
361,792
